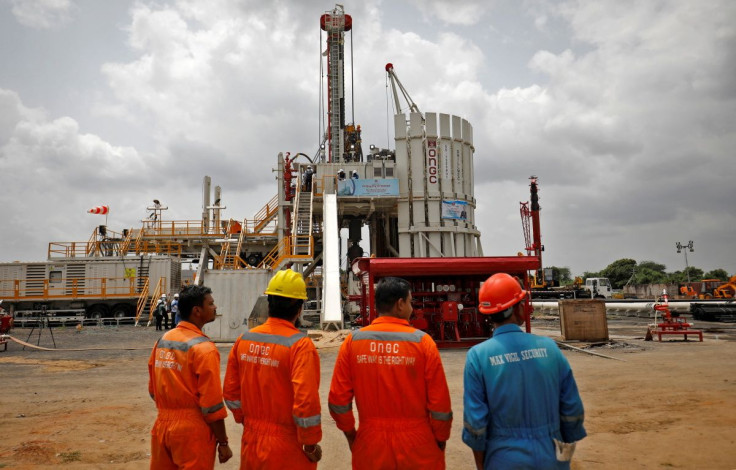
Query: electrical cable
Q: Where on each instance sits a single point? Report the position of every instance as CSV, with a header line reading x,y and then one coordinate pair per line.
x,y
41,348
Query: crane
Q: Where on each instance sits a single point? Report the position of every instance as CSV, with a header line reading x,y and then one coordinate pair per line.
x,y
532,214
396,82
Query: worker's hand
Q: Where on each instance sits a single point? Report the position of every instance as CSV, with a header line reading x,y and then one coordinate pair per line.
x,y
442,445
564,450
224,453
350,435
313,452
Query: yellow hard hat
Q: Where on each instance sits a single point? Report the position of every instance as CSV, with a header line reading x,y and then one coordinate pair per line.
x,y
287,283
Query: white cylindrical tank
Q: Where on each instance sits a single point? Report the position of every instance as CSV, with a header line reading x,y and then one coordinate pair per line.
x,y
436,209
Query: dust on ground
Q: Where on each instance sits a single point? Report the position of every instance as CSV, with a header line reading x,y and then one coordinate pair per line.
x,y
658,405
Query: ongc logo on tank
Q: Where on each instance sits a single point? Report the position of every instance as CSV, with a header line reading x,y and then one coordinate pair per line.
x,y
432,161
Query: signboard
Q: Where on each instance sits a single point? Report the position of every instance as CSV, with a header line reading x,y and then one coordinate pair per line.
x,y
457,210
383,187
129,272
458,169
432,164
446,167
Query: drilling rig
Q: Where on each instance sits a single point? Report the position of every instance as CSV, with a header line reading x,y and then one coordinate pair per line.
x,y
416,202
406,211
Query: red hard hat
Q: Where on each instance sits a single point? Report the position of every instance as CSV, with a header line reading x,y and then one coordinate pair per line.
x,y
498,293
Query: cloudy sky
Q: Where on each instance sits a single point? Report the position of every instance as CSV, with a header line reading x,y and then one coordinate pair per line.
x,y
625,110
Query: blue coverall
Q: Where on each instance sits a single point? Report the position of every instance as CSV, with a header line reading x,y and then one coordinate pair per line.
x,y
520,394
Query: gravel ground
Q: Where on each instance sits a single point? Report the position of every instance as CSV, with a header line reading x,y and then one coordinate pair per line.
x,y
90,408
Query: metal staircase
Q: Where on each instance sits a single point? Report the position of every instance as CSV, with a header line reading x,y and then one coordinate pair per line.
x,y
299,246
146,303
301,228
229,257
266,214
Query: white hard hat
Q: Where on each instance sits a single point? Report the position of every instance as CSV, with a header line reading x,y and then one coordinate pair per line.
x,y
163,296
176,296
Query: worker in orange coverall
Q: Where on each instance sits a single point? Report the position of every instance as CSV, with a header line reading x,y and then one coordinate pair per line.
x,y
396,375
184,381
272,384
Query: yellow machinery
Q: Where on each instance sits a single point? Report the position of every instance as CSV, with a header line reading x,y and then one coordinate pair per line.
x,y
717,289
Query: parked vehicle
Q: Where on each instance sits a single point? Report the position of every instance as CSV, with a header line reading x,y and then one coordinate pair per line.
x,y
599,287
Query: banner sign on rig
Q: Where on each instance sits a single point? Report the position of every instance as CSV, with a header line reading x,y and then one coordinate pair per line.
x,y
456,210
383,187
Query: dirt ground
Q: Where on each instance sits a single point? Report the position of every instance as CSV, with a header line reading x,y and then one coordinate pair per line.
x,y
661,405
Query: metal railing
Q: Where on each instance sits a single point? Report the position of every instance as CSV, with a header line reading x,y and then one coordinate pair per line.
x,y
159,247
141,306
293,248
226,260
110,244
182,228
164,238
71,288
157,292
266,214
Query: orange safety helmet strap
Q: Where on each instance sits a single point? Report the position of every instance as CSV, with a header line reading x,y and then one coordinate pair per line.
x,y
500,292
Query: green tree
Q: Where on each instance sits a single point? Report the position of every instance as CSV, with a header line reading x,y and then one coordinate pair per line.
x,y
649,272
695,274
561,275
619,272
649,276
651,265
717,274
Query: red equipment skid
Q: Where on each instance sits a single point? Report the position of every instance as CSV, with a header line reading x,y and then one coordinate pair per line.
x,y
445,292
674,325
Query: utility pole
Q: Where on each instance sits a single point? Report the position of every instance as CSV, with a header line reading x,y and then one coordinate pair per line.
x,y
683,248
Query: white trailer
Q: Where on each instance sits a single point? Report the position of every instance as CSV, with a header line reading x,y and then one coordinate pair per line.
x,y
94,287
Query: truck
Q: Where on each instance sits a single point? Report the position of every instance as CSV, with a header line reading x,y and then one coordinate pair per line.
x,y
599,287
86,288
549,288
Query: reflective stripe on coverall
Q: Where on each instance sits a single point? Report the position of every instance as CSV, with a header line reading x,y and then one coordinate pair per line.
x,y
184,381
396,375
272,388
520,393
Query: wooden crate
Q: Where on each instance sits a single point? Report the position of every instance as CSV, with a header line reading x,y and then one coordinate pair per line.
x,y
583,320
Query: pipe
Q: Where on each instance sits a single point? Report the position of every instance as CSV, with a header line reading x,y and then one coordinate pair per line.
x,y
675,306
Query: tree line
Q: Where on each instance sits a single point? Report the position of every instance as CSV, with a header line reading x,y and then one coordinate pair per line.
x,y
628,271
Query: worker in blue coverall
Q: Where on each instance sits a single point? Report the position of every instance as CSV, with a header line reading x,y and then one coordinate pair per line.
x,y
522,407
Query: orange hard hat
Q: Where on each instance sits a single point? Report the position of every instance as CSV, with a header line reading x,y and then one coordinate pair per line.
x,y
499,293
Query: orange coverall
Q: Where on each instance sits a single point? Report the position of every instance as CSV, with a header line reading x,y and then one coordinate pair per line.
x,y
396,375
184,381
272,388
